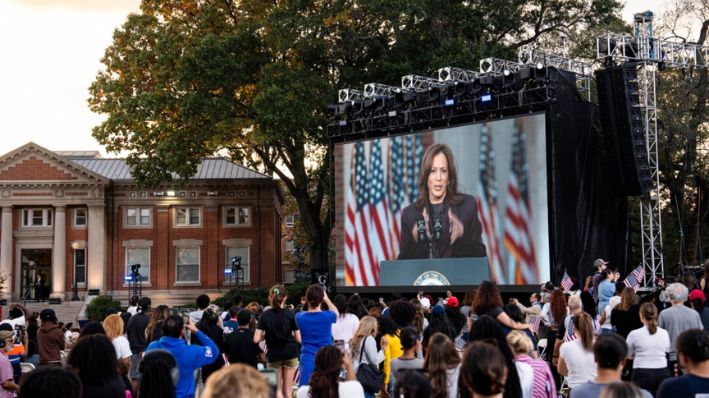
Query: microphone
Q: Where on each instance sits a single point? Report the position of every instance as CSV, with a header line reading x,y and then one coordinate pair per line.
x,y
437,227
421,224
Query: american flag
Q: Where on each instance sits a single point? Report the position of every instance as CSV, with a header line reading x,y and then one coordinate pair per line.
x,y
635,278
487,206
570,335
360,257
535,323
566,282
396,191
379,237
518,216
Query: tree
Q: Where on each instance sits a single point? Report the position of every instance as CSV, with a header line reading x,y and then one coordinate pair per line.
x,y
187,78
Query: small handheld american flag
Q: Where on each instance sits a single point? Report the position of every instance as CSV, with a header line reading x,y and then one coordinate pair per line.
x,y
566,282
635,278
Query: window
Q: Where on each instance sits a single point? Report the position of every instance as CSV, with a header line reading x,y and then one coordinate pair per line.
x,y
139,255
80,217
243,252
234,215
290,220
290,245
138,217
187,267
37,217
187,216
80,266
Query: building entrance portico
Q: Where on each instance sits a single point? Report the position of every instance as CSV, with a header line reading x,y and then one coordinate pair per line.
x,y
35,274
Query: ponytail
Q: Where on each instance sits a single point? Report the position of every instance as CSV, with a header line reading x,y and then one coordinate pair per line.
x,y
277,297
584,330
648,311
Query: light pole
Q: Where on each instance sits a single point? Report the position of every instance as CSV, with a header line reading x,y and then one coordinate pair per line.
x,y
75,288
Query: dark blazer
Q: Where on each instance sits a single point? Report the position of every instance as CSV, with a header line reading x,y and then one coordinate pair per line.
x,y
468,245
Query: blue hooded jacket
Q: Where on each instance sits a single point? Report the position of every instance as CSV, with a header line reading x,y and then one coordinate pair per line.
x,y
188,358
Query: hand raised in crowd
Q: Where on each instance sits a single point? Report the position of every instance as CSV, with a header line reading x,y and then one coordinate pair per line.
x,y
456,226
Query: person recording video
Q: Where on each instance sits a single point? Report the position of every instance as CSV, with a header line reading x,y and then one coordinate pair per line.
x,y
442,222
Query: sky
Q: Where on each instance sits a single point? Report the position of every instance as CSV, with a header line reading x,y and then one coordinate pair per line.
x,y
50,52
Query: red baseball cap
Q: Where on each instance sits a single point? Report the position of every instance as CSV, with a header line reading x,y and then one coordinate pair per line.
x,y
697,294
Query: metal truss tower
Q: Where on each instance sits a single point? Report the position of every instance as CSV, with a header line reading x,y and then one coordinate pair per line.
x,y
649,53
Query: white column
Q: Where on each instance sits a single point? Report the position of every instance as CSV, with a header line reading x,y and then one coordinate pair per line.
x,y
96,246
59,253
6,246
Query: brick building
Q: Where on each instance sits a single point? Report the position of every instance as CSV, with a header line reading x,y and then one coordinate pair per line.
x,y
73,219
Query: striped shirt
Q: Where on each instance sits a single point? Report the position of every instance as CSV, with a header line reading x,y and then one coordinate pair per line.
x,y
543,386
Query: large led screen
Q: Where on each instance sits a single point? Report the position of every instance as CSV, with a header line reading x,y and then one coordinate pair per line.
x,y
475,192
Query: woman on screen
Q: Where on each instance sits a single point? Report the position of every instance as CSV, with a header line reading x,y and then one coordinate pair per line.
x,y
442,222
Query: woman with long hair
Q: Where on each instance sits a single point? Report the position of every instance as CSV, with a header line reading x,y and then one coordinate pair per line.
x,y
278,327
364,343
488,301
158,374
325,380
625,316
648,347
543,385
356,306
113,325
443,365
420,323
154,329
211,325
315,326
346,325
484,371
442,210
389,330
93,358
488,329
558,309
576,360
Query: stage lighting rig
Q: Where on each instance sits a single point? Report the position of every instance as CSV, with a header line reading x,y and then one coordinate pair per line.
x,y
236,263
451,73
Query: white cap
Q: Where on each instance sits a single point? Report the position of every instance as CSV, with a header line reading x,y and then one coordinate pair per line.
x,y
425,303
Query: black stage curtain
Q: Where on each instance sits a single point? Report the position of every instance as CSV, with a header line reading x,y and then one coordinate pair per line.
x,y
588,218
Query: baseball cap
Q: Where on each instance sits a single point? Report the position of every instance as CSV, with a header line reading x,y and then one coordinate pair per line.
x,y
599,261
48,314
425,303
452,302
697,294
438,310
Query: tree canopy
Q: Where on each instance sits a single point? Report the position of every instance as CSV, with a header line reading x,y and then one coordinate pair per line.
x,y
185,79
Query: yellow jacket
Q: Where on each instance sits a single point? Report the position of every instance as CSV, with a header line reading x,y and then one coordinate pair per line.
x,y
393,350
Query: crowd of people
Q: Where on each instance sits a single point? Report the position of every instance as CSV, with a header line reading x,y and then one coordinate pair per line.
x,y
599,341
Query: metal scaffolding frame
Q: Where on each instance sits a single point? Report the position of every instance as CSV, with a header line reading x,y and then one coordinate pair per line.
x,y
497,66
451,73
349,94
419,83
529,55
649,53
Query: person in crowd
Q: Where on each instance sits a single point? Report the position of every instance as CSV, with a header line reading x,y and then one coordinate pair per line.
x,y
8,385
211,325
153,330
599,265
439,323
133,305
458,226
453,312
364,346
534,309
403,313
113,325
606,289
412,384
50,382
50,339
690,281
625,317
239,380
484,371
621,389
93,358
202,302
420,323
698,302
609,352
188,357
16,353
238,302
565,331
489,302
278,327
356,306
605,316
648,346
324,380
543,385
443,365
516,315
488,329
412,358
693,356
344,328
239,345
315,328
557,312
677,318
576,360
158,374
390,331
590,307
231,322
135,331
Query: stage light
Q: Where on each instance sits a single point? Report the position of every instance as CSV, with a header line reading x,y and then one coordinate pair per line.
x,y
506,72
485,98
540,65
227,271
128,278
449,102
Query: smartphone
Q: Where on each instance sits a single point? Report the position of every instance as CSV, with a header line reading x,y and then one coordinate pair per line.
x,y
271,379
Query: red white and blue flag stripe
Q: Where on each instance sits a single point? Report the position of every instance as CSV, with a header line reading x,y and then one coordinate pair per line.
x,y
635,278
566,282
487,207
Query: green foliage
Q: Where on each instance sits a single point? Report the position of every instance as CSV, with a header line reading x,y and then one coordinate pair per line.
x,y
296,291
257,294
186,79
98,307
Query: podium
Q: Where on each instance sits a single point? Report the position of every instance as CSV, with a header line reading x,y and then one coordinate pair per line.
x,y
434,272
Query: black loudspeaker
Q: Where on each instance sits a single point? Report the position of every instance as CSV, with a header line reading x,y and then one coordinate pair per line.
x,y
623,132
